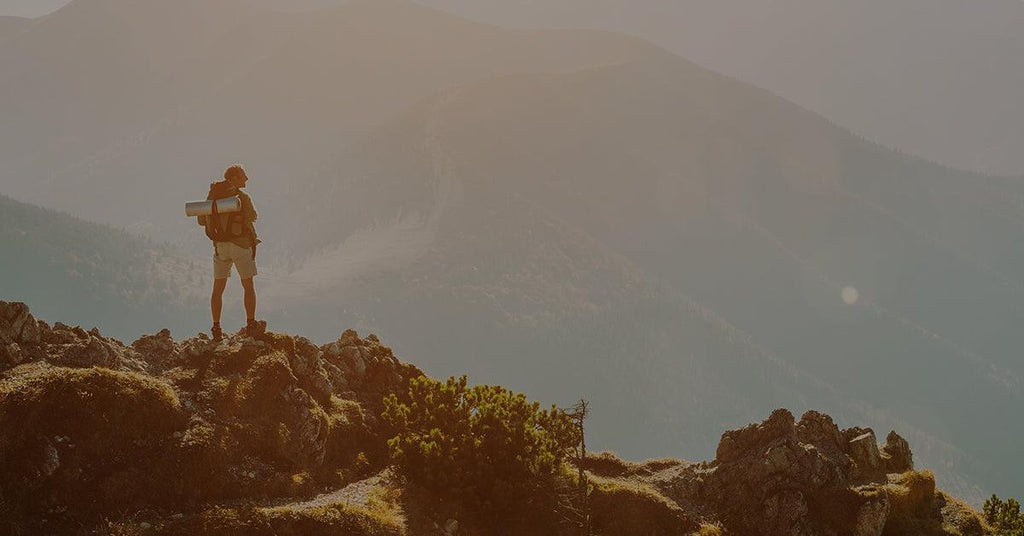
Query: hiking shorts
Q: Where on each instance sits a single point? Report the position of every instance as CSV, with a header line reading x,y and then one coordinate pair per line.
x,y
230,253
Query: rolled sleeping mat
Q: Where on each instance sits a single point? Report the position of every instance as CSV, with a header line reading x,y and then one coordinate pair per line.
x,y
205,208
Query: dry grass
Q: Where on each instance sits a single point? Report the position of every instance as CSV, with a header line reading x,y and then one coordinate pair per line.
x,y
608,464
335,519
379,519
917,509
707,529
91,441
626,507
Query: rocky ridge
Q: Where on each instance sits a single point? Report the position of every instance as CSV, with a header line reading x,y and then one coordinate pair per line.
x,y
94,427
804,478
162,429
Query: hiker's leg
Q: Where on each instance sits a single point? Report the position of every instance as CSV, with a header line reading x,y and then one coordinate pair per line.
x,y
250,299
217,298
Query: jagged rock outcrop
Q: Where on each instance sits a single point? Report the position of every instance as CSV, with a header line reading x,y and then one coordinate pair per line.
x,y
896,455
20,335
92,427
25,339
807,478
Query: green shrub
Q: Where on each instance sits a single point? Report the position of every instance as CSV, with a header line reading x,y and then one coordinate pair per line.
x,y
486,448
1004,516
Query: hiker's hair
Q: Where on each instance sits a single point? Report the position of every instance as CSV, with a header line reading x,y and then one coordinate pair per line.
x,y
233,171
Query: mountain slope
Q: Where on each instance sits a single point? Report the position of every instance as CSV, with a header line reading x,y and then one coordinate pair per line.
x,y
11,25
936,79
79,272
713,197
167,110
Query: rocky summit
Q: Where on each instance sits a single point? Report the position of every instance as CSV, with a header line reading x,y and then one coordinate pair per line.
x,y
94,428
276,435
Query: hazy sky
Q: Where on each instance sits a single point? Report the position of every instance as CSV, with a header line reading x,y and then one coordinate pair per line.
x,y
934,78
29,8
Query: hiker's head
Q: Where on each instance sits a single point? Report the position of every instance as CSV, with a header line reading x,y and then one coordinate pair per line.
x,y
236,175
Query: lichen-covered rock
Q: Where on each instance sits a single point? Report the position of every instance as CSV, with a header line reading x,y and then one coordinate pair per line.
x,y
62,334
21,335
863,450
11,355
17,324
780,478
93,352
740,443
821,431
308,366
872,517
896,454
768,476
159,349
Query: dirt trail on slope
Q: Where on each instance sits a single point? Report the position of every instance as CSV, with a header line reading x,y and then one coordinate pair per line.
x,y
372,249
356,494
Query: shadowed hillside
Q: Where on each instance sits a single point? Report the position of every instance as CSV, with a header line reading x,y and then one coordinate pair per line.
x,y
86,273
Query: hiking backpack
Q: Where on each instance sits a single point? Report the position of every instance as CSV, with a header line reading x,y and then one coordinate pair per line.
x,y
228,226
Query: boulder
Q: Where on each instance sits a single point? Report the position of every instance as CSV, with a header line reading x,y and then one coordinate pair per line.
x,y
872,517
308,367
896,455
62,334
18,324
158,350
11,355
736,444
784,478
867,460
92,352
21,335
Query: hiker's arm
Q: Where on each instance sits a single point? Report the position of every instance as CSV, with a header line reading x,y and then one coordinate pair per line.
x,y
248,210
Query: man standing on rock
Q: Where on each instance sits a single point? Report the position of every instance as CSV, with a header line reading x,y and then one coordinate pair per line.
x,y
234,244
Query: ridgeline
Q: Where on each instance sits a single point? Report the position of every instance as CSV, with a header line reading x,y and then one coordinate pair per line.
x,y
275,435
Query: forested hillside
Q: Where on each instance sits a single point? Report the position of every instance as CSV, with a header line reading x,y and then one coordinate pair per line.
x,y
81,272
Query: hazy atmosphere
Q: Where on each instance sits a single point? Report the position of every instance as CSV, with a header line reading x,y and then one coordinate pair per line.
x,y
689,213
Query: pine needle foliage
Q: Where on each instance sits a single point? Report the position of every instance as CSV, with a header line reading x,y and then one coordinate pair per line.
x,y
487,448
1004,516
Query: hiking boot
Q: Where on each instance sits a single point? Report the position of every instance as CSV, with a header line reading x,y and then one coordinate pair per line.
x,y
217,333
255,328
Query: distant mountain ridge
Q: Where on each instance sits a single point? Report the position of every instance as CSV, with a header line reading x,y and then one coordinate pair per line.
x,y
933,78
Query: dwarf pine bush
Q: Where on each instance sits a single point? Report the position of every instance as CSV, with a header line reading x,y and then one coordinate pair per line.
x,y
1004,516
490,449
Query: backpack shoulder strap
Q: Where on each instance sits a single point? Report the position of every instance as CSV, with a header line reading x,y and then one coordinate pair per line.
x,y
219,225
